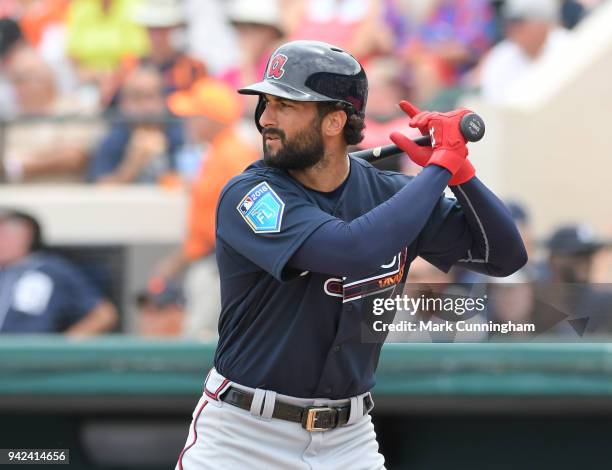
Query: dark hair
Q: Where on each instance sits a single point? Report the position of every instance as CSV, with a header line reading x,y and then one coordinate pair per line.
x,y
37,238
10,35
355,122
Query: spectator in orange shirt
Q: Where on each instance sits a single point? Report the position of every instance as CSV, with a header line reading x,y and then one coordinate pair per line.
x,y
212,110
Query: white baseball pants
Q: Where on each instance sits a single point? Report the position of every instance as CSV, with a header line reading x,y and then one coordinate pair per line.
x,y
225,436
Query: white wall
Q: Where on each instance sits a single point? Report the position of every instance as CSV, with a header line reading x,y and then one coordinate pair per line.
x,y
79,214
550,145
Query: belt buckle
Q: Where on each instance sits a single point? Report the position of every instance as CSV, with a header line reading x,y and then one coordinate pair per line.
x,y
311,418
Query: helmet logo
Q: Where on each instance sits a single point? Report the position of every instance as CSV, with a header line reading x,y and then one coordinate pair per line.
x,y
276,70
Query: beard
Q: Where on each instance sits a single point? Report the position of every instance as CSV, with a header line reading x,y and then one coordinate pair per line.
x,y
303,151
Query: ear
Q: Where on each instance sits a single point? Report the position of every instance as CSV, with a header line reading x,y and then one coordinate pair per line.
x,y
333,123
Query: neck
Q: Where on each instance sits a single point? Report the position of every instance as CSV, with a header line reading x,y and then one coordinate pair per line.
x,y
13,260
326,175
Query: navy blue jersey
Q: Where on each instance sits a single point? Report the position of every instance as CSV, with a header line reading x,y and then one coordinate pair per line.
x,y
299,333
43,294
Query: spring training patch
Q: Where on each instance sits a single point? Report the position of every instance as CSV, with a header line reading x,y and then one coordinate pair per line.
x,y
262,209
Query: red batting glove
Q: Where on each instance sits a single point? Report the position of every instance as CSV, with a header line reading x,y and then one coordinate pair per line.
x,y
421,155
449,149
465,173
417,153
411,110
449,153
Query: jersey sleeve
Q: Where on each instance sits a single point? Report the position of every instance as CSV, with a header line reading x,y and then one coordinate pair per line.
x,y
266,221
474,230
446,237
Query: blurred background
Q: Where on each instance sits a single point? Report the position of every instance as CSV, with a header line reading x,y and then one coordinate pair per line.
x,y
120,124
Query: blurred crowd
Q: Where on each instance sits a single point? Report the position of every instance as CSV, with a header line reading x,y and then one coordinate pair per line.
x,y
564,290
116,92
100,86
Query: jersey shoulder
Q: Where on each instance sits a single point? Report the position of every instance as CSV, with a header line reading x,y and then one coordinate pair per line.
x,y
48,261
58,267
255,174
392,179
260,195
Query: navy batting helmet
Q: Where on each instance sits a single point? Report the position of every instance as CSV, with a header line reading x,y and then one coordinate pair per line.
x,y
312,71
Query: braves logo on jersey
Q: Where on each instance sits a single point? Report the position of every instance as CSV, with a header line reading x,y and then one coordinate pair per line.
x,y
386,279
276,69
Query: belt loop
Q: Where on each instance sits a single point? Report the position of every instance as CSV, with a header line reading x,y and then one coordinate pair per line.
x,y
206,379
356,409
371,406
256,404
269,401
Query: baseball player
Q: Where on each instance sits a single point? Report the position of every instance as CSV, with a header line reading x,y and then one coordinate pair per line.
x,y
307,238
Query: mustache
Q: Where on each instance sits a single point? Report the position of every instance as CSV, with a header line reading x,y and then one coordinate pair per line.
x,y
273,132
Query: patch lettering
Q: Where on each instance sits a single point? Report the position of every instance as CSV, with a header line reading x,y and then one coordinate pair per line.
x,y
262,209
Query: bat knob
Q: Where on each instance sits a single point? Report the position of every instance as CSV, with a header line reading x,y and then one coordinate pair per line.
x,y
472,127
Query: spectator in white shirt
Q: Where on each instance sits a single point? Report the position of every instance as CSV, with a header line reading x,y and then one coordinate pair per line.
x,y
532,32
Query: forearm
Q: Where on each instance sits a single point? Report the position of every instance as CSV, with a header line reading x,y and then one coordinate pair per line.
x,y
171,266
100,319
361,246
56,161
497,248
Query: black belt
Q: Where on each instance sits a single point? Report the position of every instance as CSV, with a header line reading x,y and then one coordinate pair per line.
x,y
312,418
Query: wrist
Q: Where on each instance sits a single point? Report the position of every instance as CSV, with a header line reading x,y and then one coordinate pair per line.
x,y
464,174
127,171
452,160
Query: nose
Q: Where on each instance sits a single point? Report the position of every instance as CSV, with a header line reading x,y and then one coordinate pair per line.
x,y
268,117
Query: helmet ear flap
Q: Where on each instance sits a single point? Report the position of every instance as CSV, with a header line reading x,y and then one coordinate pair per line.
x,y
261,106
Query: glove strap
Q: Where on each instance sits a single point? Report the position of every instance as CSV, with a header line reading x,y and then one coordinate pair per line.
x,y
465,173
449,159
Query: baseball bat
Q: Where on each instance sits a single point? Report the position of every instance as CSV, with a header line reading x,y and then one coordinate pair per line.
x,y
472,128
